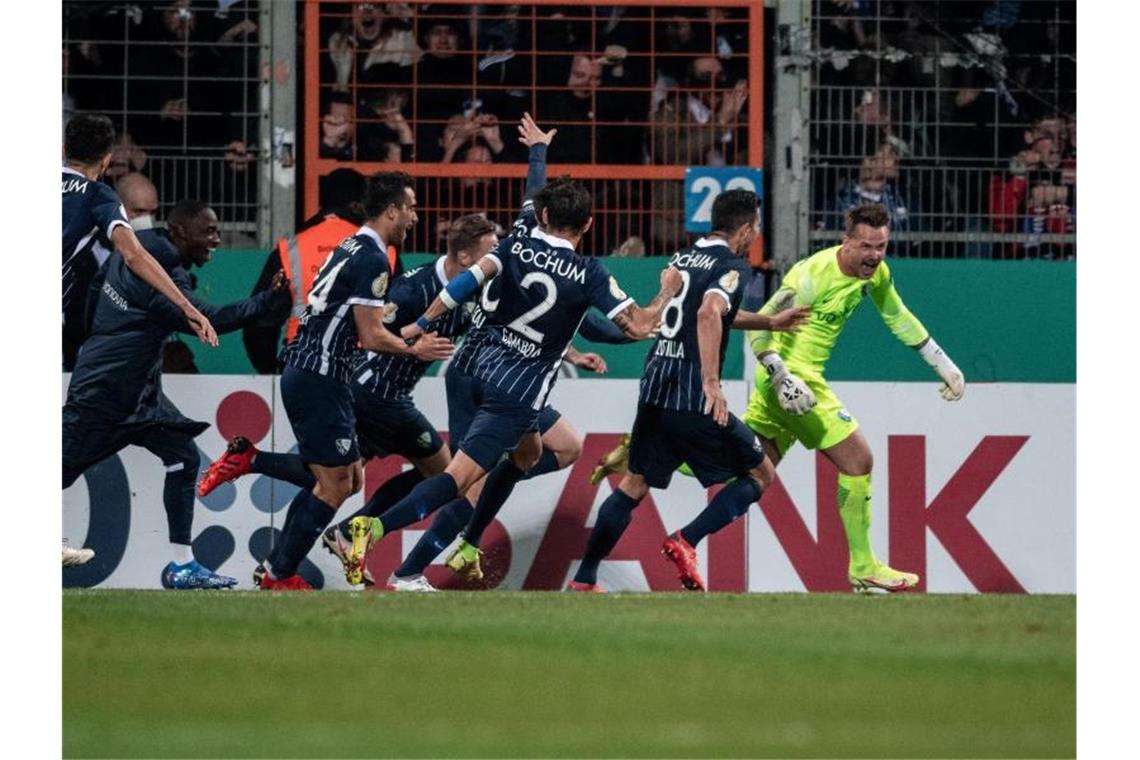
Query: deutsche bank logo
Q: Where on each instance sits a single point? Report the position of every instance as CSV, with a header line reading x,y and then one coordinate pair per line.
x,y
704,183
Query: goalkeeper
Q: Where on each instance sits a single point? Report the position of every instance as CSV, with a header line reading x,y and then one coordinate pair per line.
x,y
792,401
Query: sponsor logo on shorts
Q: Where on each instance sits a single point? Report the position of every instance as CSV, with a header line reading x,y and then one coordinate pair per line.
x,y
343,445
844,415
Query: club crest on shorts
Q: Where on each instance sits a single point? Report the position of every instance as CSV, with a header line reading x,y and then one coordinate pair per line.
x,y
730,281
343,445
615,289
388,313
380,285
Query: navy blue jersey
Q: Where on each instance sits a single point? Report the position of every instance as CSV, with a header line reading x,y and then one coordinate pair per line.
x,y
91,210
394,376
672,375
544,290
355,274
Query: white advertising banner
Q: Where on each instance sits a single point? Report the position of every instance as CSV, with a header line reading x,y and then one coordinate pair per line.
x,y
977,495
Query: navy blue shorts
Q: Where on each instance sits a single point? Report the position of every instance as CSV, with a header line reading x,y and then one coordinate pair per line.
x,y
664,438
320,411
465,394
497,424
392,426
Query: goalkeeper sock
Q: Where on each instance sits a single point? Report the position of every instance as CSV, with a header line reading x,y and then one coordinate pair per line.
x,y
444,528
427,496
854,499
613,518
287,467
385,497
732,502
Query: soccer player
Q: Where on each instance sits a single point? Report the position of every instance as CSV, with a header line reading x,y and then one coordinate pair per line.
x,y
682,414
346,307
115,397
792,401
544,289
94,223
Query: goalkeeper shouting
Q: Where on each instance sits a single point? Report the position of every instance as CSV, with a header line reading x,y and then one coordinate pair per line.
x,y
792,401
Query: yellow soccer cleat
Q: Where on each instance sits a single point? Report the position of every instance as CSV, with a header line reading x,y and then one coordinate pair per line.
x,y
881,577
365,532
465,561
616,461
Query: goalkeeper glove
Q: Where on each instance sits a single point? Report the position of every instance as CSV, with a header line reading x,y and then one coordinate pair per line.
x,y
953,381
791,392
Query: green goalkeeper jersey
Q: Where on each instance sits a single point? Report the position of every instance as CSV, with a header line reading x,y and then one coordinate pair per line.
x,y
833,296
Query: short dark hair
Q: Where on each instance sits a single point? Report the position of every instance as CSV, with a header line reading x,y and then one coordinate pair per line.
x,y
88,138
567,203
383,189
466,231
341,188
871,214
337,97
186,210
733,208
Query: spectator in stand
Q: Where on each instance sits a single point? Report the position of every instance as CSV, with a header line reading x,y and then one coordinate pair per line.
x,y
462,131
693,126
383,132
338,128
126,157
445,78
378,41
1039,166
877,183
572,110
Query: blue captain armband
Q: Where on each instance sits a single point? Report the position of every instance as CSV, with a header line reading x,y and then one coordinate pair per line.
x,y
462,287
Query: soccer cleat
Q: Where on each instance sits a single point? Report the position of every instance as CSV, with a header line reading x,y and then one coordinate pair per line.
x,y
339,546
365,532
411,583
193,575
465,561
589,588
76,557
677,550
881,577
616,461
231,465
264,581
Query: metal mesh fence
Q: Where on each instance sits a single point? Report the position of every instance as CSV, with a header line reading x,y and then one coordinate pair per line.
x,y
958,116
179,79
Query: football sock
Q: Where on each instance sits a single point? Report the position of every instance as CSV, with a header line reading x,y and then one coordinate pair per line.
x,y
732,502
426,497
287,467
392,490
854,499
546,463
444,528
181,554
497,489
613,518
178,500
308,518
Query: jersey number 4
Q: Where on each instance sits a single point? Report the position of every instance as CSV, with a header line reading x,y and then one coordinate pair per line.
x,y
319,296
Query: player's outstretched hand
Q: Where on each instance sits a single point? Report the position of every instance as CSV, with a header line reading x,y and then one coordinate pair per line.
x,y
201,326
953,381
592,362
530,134
790,320
410,332
793,394
715,402
431,347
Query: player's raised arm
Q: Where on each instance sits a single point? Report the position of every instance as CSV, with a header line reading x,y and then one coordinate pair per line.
x,y
457,291
910,331
537,141
788,320
150,271
639,322
709,332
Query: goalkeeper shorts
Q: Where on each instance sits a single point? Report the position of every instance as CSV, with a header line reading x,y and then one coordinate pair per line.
x,y
827,424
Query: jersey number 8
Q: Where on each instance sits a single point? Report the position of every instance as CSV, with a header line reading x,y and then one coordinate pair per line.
x,y
674,313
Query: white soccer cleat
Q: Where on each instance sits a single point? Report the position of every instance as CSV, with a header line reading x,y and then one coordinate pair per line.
x,y
76,557
411,583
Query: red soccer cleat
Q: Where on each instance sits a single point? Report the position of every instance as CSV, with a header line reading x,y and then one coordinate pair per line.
x,y
266,582
229,466
677,550
589,588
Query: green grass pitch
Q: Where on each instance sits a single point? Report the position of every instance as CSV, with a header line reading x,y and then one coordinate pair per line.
x,y
241,674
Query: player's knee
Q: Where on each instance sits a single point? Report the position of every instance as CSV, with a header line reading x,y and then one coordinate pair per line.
x,y
763,473
634,486
861,464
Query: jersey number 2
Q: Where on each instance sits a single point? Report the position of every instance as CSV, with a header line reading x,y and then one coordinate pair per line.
x,y
521,324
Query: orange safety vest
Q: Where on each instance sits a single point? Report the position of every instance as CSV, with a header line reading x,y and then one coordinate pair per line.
x,y
303,254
